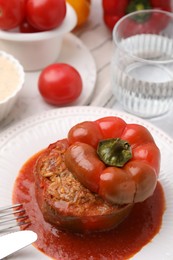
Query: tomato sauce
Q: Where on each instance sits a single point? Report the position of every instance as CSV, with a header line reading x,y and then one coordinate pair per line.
x,y
123,242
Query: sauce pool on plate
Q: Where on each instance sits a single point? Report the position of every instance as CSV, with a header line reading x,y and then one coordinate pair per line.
x,y
121,243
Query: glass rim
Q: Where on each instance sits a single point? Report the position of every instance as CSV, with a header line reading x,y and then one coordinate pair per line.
x,y
116,26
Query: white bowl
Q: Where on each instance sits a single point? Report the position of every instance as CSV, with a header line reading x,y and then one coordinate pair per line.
x,y
12,74
37,50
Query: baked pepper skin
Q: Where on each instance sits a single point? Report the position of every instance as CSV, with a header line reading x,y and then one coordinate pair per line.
x,y
119,161
113,10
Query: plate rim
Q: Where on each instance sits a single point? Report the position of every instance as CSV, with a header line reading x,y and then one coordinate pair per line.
x,y
34,119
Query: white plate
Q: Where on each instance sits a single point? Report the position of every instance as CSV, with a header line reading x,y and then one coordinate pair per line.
x,y
18,143
75,53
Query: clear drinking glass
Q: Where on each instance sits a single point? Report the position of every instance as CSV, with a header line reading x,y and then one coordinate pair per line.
x,y
142,63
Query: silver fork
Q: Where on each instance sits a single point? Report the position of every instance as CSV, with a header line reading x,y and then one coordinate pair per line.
x,y
12,216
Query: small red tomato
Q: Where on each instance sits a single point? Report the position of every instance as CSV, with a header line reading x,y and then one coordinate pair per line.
x,y
45,15
60,84
11,13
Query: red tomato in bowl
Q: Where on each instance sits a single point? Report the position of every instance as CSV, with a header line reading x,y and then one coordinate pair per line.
x,y
45,14
25,27
60,84
11,13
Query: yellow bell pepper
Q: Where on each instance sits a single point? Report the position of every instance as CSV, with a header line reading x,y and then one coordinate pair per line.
x,y
82,8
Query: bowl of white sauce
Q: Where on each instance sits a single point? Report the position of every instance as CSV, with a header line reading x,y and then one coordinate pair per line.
x,y
11,82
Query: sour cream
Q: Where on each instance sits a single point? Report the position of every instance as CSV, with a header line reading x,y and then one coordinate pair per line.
x,y
9,78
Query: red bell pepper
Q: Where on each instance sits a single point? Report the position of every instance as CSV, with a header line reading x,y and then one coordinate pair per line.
x,y
113,10
118,161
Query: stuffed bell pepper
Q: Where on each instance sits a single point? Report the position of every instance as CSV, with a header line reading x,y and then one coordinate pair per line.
x,y
118,161
91,180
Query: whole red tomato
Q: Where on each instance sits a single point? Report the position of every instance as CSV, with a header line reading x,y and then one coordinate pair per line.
x,y
11,13
60,84
45,15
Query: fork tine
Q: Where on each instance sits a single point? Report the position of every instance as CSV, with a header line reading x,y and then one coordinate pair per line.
x,y
10,207
14,225
12,219
11,213
19,217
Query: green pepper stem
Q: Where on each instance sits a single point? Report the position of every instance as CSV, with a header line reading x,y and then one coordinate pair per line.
x,y
137,5
114,152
